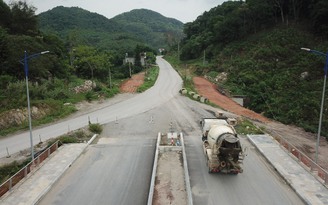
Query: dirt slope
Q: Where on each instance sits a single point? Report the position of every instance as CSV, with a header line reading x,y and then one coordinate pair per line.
x,y
131,85
304,141
208,90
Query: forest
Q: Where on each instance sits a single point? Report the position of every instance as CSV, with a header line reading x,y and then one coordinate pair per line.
x,y
121,33
258,44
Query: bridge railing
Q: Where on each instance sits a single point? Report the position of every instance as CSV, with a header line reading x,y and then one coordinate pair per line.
x,y
319,172
33,165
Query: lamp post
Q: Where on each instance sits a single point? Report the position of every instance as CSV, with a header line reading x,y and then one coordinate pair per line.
x,y
322,99
25,62
128,60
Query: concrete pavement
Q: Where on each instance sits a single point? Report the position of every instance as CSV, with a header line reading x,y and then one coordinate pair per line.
x,y
32,189
304,183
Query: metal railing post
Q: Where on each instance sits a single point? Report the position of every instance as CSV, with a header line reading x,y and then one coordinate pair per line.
x,y
10,183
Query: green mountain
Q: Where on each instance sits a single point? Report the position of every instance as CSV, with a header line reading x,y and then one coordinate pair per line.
x,y
260,52
121,33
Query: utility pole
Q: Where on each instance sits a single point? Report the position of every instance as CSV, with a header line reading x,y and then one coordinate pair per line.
x,y
179,51
127,60
110,77
130,69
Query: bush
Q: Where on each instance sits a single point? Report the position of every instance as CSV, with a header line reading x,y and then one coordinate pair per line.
x,y
89,96
95,128
9,170
80,134
68,139
213,74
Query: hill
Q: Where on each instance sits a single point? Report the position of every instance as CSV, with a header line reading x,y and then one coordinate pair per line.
x,y
260,53
122,32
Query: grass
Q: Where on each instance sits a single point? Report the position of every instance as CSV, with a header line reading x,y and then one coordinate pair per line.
x,y
246,127
57,110
150,79
95,128
9,170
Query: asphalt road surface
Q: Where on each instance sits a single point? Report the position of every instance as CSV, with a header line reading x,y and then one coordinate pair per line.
x,y
117,168
167,85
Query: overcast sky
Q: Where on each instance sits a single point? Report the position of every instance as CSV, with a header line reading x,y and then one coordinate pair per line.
x,y
182,10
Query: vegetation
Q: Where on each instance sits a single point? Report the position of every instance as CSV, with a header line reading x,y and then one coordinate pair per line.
x,y
150,79
56,78
9,170
235,20
95,128
257,43
246,127
186,69
120,34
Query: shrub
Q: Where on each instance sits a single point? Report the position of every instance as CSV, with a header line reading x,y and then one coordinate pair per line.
x,y
9,170
88,96
95,128
80,134
247,127
68,139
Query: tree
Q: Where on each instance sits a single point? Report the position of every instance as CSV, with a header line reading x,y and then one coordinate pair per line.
x,y
23,19
279,4
319,16
5,15
91,63
3,49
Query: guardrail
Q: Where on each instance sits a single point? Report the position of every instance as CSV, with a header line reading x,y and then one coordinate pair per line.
x,y
21,174
319,172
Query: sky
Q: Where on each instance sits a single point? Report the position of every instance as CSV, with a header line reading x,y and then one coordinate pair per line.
x,y
182,10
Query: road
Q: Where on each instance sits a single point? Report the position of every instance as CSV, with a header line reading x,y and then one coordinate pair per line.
x,y
117,168
168,82
258,184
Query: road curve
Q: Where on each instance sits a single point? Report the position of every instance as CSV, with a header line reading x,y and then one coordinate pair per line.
x,y
117,169
165,88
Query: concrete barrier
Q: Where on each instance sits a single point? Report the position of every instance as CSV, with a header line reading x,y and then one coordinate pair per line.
x,y
167,148
183,91
203,99
153,175
196,96
186,172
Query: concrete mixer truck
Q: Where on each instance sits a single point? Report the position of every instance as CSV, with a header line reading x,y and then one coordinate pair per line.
x,y
221,145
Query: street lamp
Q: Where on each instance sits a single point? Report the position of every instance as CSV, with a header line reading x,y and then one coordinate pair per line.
x,y
322,99
25,63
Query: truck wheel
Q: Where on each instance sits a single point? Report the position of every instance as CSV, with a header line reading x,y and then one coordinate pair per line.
x,y
209,168
204,138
